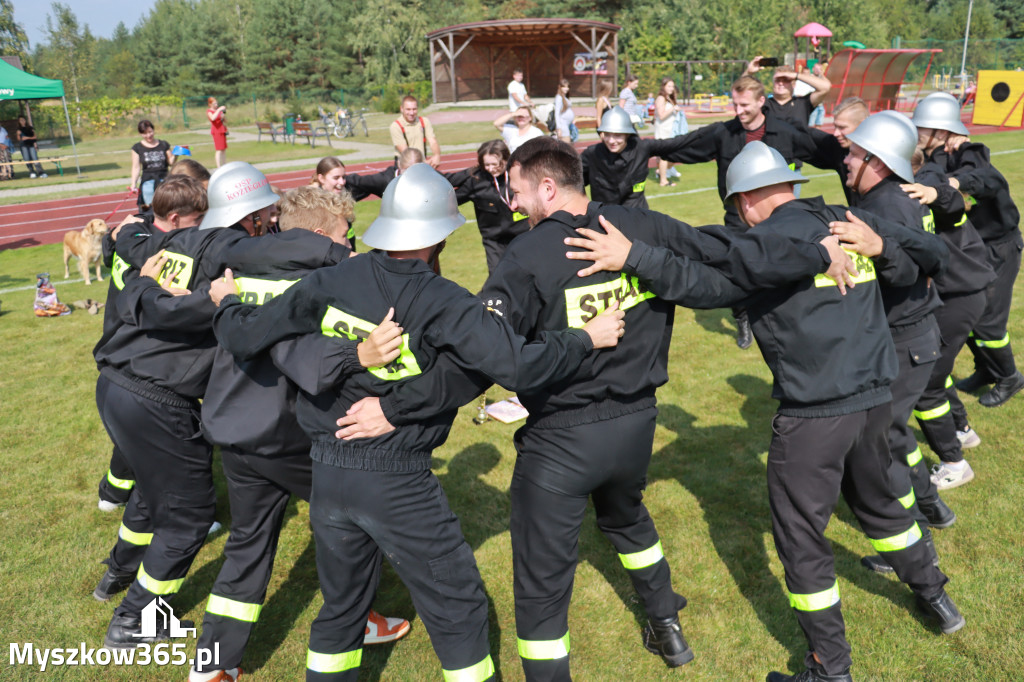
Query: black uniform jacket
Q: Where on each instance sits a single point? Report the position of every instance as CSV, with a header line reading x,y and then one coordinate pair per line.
x,y
968,269
249,404
120,271
535,287
993,213
491,197
621,178
348,300
369,184
830,354
905,304
722,142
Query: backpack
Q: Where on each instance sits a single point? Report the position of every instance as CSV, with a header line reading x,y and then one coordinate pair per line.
x,y
551,121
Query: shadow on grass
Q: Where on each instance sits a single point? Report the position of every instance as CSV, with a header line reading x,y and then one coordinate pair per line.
x,y
717,321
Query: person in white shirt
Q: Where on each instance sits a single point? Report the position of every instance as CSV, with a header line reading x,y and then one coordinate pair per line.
x,y
517,127
517,96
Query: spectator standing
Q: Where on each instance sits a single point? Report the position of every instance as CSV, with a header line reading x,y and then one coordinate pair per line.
x,y
27,140
151,159
604,103
517,127
412,130
565,127
517,96
795,110
6,169
665,113
627,100
219,131
800,88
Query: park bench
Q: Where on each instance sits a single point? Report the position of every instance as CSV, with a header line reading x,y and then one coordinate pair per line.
x,y
57,161
307,131
270,129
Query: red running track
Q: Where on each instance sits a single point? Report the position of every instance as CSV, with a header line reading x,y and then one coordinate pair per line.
x,y
45,222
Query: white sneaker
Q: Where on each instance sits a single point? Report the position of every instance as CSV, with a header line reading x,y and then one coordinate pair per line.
x,y
968,438
380,629
43,175
31,175
107,506
214,527
945,477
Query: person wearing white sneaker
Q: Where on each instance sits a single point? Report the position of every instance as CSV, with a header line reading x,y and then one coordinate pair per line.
x,y
968,437
952,474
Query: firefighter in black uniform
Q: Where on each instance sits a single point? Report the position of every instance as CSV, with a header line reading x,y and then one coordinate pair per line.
x,y
590,436
267,461
366,185
879,159
617,169
486,186
832,359
721,142
177,203
380,496
997,219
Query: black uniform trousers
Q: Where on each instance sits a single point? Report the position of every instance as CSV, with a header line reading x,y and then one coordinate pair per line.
x,y
557,469
918,349
258,488
990,341
935,410
494,249
358,515
161,439
810,461
116,485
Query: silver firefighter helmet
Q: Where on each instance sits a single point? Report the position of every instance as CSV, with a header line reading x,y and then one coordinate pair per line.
x,y
418,209
890,136
237,189
757,166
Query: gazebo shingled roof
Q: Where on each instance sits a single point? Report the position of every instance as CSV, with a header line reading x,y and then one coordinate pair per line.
x,y
544,48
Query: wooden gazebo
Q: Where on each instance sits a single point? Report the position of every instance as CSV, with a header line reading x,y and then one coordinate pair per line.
x,y
475,61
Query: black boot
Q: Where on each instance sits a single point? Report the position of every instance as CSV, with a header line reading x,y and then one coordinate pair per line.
x,y
111,583
942,608
664,637
123,632
744,336
816,674
938,513
974,383
876,563
1003,391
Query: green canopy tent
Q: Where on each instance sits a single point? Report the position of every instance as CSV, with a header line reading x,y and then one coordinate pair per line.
x,y
17,84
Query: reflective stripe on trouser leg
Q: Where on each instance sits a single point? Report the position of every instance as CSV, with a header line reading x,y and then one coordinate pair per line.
x,y
160,587
897,542
815,601
229,608
120,483
914,458
934,413
131,537
333,663
642,559
544,650
994,343
479,672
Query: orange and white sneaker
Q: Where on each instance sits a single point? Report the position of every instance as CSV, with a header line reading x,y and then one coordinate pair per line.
x,y
380,629
215,675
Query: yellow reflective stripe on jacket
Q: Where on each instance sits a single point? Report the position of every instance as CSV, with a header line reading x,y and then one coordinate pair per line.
x,y
998,343
544,649
129,535
517,216
179,264
584,303
963,219
792,166
934,413
928,222
339,323
907,500
259,291
949,382
229,608
914,457
815,601
158,586
122,483
475,673
117,269
333,663
865,271
897,542
642,559
639,187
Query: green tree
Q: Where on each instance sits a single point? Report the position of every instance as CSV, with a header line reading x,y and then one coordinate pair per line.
x,y
390,38
13,41
70,49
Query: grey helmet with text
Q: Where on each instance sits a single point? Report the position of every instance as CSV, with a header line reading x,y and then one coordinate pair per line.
x,y
236,190
418,209
891,137
757,166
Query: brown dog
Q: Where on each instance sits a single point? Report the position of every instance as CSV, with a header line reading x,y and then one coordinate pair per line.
x,y
87,247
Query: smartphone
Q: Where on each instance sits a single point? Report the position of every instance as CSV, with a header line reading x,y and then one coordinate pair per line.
x,y
768,61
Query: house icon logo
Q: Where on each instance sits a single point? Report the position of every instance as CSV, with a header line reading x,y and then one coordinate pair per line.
x,y
158,617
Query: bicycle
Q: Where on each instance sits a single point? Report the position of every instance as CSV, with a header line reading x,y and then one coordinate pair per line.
x,y
328,122
348,121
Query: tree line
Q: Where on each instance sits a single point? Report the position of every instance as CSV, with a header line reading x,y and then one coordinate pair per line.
x,y
224,47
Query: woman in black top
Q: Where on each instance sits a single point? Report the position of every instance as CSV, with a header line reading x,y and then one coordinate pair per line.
x,y
486,185
151,158
27,139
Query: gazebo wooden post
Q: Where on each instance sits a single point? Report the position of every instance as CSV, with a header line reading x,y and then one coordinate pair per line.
x,y
490,60
451,60
433,74
615,41
593,72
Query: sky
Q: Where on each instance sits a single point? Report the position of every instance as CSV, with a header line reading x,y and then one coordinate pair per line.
x,y
102,16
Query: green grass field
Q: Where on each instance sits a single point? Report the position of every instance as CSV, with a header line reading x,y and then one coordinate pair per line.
x,y
706,492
